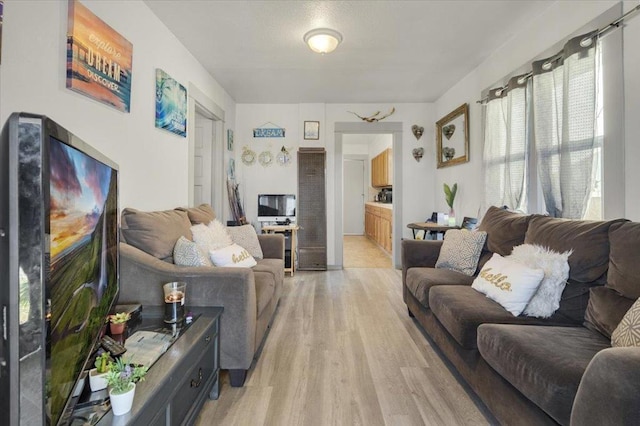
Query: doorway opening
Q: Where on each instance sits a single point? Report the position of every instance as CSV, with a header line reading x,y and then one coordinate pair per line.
x,y
366,241
343,151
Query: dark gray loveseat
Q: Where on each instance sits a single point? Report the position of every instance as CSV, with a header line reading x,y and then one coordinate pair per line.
x,y
249,296
531,370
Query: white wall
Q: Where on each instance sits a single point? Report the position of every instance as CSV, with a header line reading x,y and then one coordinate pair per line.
x,y
543,32
417,177
153,163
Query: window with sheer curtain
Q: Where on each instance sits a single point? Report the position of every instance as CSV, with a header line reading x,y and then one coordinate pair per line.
x,y
563,102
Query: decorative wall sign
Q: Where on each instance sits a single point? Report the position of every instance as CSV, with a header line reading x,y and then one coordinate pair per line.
x,y
311,130
171,104
99,59
268,132
231,172
374,117
265,158
248,156
229,140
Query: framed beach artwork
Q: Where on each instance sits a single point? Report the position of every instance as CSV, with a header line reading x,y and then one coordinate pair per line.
x,y
312,130
171,104
99,59
229,140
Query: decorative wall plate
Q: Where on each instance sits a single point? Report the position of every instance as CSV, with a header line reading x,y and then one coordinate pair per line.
x,y
283,157
265,158
248,156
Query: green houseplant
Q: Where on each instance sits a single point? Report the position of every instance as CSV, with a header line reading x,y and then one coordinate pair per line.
x,y
98,375
450,196
118,322
122,378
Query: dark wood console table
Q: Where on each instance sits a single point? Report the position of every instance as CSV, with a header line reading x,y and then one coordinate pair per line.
x,y
178,383
429,227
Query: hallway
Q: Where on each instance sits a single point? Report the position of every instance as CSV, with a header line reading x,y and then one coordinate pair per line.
x,y
361,252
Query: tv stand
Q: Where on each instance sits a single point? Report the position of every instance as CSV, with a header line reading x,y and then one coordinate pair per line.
x,y
289,231
179,382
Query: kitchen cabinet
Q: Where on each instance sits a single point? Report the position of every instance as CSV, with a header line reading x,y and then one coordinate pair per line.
x,y
382,169
378,225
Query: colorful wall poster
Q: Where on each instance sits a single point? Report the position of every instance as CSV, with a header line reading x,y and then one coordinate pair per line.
x,y
171,104
99,60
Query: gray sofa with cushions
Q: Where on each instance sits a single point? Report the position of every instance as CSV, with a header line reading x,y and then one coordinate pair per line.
x,y
249,296
558,370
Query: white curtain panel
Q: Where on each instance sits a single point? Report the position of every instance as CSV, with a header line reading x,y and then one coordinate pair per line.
x,y
564,115
506,144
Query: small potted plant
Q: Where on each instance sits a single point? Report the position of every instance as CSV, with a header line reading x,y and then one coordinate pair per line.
x,y
450,196
118,322
122,378
98,375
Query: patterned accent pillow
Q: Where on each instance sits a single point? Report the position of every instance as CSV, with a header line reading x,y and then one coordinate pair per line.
x,y
187,253
461,250
246,236
627,333
509,283
211,237
232,256
556,272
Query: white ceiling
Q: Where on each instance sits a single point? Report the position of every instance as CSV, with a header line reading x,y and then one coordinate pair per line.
x,y
393,51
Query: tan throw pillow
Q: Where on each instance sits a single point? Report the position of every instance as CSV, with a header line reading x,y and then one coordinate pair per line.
x,y
155,233
627,333
232,256
201,214
461,250
509,283
555,265
187,253
246,236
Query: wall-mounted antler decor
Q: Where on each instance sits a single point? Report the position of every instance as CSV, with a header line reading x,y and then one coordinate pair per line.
x,y
373,118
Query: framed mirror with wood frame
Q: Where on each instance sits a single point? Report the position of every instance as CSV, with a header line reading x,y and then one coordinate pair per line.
x,y
452,137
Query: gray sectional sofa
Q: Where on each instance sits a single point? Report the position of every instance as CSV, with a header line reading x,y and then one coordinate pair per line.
x,y
249,296
533,371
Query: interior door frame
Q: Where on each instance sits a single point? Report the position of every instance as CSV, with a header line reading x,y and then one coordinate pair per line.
x,y
202,104
385,127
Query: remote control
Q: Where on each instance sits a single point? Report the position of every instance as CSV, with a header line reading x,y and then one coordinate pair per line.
x,y
114,348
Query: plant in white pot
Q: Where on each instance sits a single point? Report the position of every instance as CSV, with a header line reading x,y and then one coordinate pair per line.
x,y
122,378
98,375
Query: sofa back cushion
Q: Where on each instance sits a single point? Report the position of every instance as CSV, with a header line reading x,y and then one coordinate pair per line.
x,y
624,266
605,310
155,233
504,229
201,214
588,240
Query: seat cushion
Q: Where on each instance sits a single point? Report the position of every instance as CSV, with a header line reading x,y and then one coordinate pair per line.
x,y
544,363
265,289
462,309
420,280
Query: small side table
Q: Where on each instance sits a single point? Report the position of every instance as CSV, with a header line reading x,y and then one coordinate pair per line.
x,y
286,229
429,227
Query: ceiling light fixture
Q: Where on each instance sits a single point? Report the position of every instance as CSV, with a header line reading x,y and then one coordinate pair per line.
x,y
323,40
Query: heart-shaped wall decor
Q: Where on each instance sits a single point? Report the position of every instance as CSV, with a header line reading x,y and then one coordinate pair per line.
x,y
417,131
418,153
449,131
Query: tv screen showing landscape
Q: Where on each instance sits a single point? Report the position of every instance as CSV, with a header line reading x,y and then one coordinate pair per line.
x,y
83,273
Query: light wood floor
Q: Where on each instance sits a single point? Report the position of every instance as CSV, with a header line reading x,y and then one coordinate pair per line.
x,y
361,252
343,351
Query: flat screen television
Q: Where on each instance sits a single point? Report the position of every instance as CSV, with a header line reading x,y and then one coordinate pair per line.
x,y
279,208
59,263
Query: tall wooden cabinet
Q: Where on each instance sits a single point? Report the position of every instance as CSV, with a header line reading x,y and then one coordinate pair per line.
x,y
382,169
378,225
311,212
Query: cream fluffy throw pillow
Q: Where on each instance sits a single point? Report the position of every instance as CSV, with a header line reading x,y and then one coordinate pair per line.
x,y
546,299
211,237
232,256
509,283
461,250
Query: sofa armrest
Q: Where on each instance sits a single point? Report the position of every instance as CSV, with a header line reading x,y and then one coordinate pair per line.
x,y
272,245
609,389
141,279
